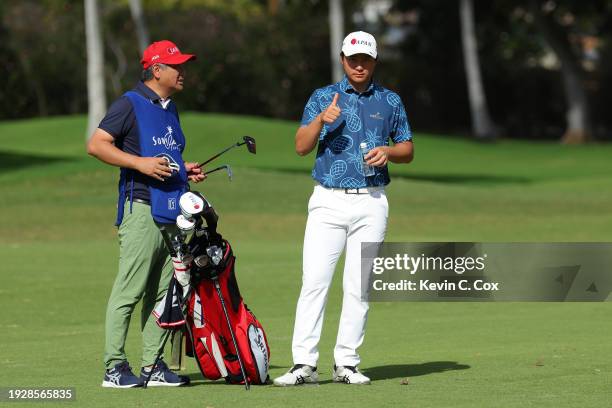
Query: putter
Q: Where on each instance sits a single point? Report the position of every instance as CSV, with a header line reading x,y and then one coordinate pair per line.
x,y
226,167
246,140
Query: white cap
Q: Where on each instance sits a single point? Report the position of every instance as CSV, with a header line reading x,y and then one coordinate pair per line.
x,y
359,42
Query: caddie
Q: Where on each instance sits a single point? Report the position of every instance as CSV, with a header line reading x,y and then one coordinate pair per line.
x,y
141,134
348,205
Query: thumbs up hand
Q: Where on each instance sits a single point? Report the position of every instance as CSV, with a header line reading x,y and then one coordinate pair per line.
x,y
329,115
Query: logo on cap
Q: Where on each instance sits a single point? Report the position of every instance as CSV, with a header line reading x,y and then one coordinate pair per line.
x,y
353,41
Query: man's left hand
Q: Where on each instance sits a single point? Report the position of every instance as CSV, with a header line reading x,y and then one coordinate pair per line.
x,y
378,156
194,173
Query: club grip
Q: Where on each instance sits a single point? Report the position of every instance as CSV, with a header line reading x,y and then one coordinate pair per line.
x,y
168,241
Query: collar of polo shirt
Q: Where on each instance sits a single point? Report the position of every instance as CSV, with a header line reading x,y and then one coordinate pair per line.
x,y
346,86
153,97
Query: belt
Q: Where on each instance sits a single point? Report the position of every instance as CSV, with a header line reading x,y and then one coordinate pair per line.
x,y
363,190
139,200
354,190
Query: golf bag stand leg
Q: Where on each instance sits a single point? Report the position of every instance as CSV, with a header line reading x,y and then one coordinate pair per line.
x,y
231,330
178,351
159,353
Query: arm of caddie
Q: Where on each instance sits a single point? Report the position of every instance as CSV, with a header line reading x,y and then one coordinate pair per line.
x,y
307,136
102,146
402,152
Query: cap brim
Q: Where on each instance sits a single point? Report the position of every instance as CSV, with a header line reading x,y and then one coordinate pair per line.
x,y
176,59
350,51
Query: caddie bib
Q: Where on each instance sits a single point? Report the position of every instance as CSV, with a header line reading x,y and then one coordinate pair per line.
x,y
160,135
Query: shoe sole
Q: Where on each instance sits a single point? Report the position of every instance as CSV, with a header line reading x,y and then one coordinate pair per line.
x,y
108,384
344,382
164,384
312,384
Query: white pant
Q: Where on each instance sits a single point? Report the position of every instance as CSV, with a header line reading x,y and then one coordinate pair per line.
x,y
336,220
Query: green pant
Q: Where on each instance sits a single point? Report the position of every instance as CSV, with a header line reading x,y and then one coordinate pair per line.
x,y
144,272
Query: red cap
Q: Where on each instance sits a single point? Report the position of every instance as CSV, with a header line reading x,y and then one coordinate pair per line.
x,y
164,52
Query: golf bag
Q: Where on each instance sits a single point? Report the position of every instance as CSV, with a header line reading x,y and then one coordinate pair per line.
x,y
226,339
212,340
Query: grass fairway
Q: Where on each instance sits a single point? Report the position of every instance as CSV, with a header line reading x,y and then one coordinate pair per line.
x,y
59,253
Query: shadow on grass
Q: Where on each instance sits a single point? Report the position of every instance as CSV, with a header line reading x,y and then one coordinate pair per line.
x,y
377,373
412,370
441,178
10,161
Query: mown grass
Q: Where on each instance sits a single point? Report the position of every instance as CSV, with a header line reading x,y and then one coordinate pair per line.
x,y
59,254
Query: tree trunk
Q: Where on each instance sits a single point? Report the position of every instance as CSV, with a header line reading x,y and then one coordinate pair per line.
x,y
139,22
274,6
577,116
96,95
336,31
482,125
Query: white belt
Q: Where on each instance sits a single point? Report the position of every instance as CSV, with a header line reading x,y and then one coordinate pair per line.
x,y
363,190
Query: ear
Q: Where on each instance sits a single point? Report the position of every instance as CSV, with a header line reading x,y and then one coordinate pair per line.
x,y
156,71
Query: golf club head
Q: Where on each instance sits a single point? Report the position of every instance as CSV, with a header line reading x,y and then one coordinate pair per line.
x,y
192,203
186,225
225,167
250,143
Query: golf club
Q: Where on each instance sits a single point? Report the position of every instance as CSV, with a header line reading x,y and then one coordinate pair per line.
x,y
226,167
247,386
173,252
246,140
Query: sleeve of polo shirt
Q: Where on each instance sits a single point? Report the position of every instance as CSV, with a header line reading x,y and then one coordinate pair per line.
x,y
400,131
311,110
119,119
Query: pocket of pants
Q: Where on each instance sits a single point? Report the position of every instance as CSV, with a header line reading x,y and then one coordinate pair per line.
x,y
385,203
311,202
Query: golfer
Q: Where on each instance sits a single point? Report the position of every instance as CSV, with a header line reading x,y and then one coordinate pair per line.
x,y
142,135
348,205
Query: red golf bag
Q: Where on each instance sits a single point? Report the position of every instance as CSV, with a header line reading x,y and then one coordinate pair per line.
x,y
213,347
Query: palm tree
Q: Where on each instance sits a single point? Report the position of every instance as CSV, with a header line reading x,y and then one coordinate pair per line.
x,y
336,30
139,22
482,125
577,116
96,92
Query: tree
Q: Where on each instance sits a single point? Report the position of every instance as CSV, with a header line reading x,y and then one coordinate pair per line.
x,y
139,22
336,30
482,125
96,92
577,116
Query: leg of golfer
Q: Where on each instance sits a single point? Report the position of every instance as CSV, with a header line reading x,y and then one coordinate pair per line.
x,y
336,220
369,223
324,241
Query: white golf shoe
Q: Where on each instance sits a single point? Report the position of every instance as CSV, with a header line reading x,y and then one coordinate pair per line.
x,y
349,375
300,374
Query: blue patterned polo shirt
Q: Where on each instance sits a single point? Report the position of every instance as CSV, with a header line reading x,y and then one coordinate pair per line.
x,y
374,117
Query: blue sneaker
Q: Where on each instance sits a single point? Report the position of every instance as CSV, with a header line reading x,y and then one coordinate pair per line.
x,y
163,377
121,376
